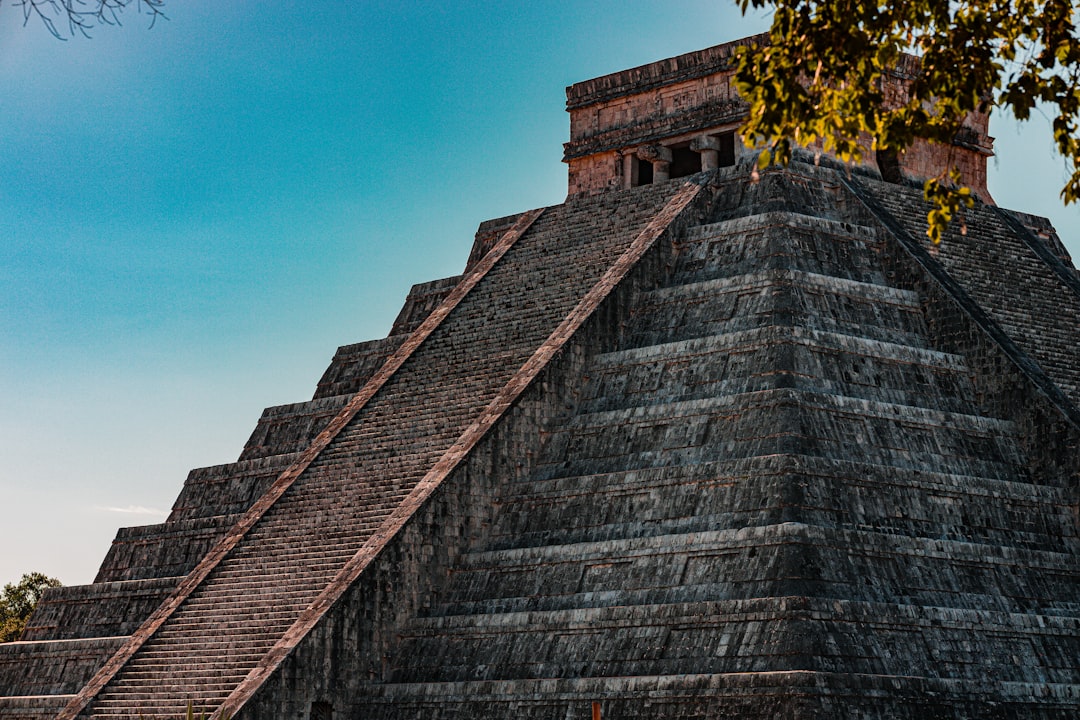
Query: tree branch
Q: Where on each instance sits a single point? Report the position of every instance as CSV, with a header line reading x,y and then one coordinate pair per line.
x,y
81,16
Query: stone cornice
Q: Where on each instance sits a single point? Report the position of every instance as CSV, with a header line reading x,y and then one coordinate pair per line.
x,y
663,72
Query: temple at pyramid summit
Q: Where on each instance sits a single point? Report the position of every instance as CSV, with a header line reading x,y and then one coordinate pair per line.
x,y
697,443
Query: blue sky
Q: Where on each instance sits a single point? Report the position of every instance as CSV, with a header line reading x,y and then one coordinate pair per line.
x,y
193,217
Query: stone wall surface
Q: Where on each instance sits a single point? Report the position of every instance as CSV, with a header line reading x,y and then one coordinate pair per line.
x,y
104,609
51,667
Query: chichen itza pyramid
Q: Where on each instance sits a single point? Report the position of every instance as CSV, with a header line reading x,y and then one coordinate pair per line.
x,y
693,444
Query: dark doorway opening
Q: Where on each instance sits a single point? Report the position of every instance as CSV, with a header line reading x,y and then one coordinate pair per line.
x,y
889,164
642,172
684,161
727,149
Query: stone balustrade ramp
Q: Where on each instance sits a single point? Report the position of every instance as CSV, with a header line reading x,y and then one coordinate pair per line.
x,y
1002,271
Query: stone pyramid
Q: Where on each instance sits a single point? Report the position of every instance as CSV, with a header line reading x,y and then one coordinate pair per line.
x,y
697,443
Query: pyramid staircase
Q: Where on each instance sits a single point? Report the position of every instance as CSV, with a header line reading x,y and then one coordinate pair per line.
x,y
777,498
785,491
324,508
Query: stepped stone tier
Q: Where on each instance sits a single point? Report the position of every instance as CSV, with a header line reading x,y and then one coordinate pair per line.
x,y
693,444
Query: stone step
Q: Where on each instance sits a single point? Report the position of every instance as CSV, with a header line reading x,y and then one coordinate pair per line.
x,y
147,701
782,421
293,554
779,356
284,592
716,637
782,488
242,633
777,560
223,660
147,704
290,567
778,297
194,619
791,240
187,656
370,501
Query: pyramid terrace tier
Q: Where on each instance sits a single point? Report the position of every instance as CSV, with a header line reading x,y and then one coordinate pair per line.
x,y
166,549
103,609
779,269
719,637
774,489
781,356
772,694
353,365
227,489
51,667
794,239
766,561
285,429
783,421
779,296
33,707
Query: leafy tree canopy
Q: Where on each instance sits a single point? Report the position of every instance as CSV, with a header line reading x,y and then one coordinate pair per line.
x,y
820,79
18,600
72,17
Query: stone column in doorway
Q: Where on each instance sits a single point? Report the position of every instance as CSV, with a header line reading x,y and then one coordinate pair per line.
x,y
660,157
709,148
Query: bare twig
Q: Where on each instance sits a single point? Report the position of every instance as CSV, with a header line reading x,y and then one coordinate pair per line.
x,y
82,16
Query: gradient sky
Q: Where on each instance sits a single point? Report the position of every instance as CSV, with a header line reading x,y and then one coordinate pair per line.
x,y
193,217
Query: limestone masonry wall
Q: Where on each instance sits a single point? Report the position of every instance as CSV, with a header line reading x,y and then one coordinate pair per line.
x,y
683,104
